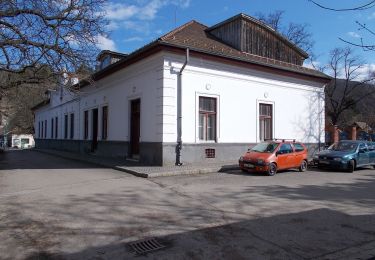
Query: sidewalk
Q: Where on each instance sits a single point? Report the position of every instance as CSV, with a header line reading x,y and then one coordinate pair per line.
x,y
144,171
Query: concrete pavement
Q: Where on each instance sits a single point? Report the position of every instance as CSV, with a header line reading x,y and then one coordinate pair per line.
x,y
53,208
136,169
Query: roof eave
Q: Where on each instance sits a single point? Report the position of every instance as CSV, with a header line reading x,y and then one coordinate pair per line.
x,y
325,77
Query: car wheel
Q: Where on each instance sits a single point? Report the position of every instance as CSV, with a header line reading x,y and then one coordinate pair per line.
x,y
243,170
303,166
351,166
272,169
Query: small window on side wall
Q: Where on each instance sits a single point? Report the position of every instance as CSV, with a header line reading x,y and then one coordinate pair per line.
x,y
207,118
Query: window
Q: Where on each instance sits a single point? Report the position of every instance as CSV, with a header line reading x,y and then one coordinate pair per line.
x,y
72,126
104,122
66,126
207,118
39,129
45,128
298,147
210,153
56,128
285,148
86,124
41,133
265,122
52,127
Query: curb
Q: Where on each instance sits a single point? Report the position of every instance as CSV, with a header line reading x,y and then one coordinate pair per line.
x,y
166,173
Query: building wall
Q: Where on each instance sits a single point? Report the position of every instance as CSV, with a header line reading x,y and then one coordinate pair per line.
x,y
297,110
142,80
297,107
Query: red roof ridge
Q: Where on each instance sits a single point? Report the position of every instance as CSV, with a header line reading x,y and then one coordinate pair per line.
x,y
178,29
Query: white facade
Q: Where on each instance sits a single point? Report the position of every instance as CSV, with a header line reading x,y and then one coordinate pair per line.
x,y
297,107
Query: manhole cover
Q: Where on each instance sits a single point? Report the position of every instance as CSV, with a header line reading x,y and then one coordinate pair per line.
x,y
146,246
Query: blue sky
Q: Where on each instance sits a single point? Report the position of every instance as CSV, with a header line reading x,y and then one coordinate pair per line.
x,y
136,23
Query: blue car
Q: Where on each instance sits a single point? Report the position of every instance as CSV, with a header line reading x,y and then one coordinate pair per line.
x,y
347,155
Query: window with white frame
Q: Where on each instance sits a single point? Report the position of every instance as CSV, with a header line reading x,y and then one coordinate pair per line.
x,y
207,118
265,122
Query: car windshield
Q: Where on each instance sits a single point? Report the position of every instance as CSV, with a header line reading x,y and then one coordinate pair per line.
x,y
343,147
264,147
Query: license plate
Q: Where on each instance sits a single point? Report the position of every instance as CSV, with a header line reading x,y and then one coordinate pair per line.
x,y
323,162
248,165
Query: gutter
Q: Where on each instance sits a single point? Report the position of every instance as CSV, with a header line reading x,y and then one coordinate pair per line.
x,y
179,111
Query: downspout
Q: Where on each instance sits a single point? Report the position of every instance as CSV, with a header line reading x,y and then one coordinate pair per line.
x,y
179,111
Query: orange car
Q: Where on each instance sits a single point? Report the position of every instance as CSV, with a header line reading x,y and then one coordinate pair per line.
x,y
275,155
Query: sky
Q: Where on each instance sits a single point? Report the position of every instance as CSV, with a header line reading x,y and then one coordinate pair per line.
x,y
134,23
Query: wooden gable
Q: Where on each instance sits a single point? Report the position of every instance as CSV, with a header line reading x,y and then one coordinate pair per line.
x,y
252,36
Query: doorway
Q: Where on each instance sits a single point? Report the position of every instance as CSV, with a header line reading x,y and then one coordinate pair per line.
x,y
135,126
94,140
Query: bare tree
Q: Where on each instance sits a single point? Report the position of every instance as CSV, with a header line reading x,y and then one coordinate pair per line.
x,y
366,45
59,35
296,33
348,86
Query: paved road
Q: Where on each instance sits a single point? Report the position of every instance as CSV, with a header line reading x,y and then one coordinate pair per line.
x,y
52,208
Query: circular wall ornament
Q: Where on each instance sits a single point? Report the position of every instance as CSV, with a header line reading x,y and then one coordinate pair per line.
x,y
208,86
265,94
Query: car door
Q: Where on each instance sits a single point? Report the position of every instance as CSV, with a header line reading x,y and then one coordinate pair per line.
x,y
299,152
371,151
285,156
363,154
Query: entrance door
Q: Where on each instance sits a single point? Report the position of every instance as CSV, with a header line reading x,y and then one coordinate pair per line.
x,y
135,114
94,140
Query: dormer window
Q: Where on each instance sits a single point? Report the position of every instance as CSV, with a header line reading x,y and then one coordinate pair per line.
x,y
106,58
105,62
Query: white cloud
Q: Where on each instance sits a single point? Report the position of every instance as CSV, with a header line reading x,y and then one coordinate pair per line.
x,y
149,11
112,25
133,39
138,26
105,43
365,71
354,34
142,10
117,11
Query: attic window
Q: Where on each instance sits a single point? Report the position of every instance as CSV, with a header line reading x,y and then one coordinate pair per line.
x,y
105,62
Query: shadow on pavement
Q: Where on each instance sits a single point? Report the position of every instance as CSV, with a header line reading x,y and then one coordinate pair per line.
x,y
100,225
304,235
29,159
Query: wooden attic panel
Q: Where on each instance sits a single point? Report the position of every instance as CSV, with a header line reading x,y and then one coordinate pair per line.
x,y
260,41
230,33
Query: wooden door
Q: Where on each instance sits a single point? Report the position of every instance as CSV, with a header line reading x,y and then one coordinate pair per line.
x,y
135,126
94,140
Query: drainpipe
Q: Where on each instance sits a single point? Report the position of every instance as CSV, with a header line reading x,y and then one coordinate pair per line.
x,y
179,111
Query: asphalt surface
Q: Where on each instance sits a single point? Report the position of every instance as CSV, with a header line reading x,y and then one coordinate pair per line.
x,y
53,208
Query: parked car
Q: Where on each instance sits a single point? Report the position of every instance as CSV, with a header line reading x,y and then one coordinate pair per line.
x,y
347,155
271,156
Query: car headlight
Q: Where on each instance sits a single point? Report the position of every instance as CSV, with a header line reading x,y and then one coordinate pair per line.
x,y
337,159
260,161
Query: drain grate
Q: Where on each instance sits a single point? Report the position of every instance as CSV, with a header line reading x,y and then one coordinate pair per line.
x,y
146,246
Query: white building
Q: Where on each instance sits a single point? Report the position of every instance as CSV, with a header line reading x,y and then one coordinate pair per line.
x,y
215,90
